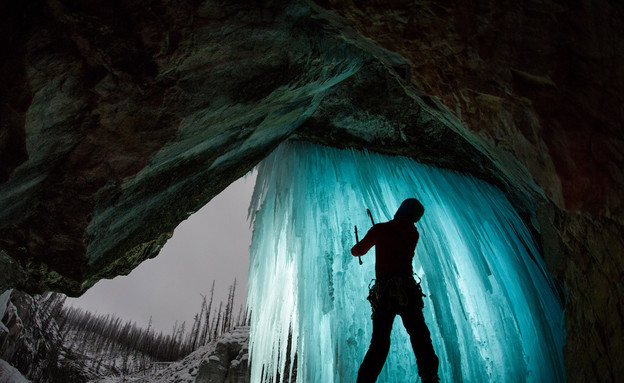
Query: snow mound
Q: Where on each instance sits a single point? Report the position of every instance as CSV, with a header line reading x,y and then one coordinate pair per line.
x,y
10,374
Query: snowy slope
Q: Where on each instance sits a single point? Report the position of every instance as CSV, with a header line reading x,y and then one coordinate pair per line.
x,y
10,374
206,361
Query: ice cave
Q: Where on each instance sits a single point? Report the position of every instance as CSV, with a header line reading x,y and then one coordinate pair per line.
x,y
494,313
119,120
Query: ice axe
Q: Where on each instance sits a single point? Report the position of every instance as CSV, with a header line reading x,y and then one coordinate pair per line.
x,y
370,216
357,240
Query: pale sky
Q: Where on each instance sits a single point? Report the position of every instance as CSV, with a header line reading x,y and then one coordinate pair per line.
x,y
212,244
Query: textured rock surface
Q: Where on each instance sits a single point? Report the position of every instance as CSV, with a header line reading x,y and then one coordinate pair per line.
x,y
229,363
119,121
539,80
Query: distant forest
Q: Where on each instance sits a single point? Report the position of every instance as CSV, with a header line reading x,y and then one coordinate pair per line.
x,y
105,344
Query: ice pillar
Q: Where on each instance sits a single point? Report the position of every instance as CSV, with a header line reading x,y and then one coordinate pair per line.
x,y
494,313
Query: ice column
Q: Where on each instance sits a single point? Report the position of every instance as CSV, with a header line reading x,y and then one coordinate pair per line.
x,y
494,313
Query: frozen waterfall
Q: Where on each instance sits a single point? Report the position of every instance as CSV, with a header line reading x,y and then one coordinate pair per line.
x,y
494,313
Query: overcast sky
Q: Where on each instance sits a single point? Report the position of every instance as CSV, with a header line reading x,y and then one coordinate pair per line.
x,y
212,244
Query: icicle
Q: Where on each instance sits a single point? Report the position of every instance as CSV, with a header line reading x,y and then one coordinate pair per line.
x,y
492,310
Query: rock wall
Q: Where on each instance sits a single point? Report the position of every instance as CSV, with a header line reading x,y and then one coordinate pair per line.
x,y
538,80
229,363
138,114
119,121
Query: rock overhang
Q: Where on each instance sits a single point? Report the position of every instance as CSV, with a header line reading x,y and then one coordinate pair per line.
x,y
116,160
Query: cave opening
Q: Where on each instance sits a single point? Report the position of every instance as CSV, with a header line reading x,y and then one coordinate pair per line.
x,y
493,310
212,244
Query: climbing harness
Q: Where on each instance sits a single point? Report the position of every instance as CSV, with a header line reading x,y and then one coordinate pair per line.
x,y
393,293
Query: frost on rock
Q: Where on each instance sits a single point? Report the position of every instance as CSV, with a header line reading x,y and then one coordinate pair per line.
x,y
493,311
228,364
4,304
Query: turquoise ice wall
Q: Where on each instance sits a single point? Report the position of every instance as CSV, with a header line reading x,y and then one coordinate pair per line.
x,y
494,313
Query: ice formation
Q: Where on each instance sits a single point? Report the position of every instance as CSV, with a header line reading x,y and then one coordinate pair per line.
x,y
494,313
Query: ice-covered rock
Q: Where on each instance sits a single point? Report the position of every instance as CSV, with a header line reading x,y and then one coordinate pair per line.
x,y
229,362
11,326
4,303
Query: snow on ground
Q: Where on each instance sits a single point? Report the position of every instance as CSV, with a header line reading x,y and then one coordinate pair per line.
x,y
10,374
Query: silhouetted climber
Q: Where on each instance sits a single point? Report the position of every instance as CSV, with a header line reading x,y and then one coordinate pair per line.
x,y
396,292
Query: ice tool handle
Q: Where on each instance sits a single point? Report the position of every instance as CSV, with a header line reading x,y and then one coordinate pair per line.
x,y
356,241
370,216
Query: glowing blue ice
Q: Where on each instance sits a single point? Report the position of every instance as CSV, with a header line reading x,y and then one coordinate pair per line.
x,y
493,312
